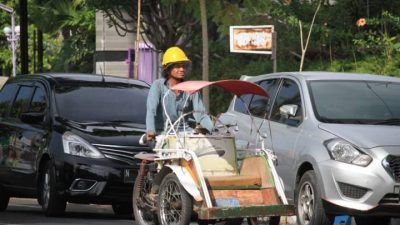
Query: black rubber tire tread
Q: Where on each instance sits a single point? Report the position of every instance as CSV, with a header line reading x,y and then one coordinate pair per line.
x,y
123,209
319,217
57,203
236,221
4,199
274,220
372,220
136,212
186,204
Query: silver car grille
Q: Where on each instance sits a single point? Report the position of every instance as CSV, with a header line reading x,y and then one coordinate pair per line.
x,y
392,163
120,153
352,191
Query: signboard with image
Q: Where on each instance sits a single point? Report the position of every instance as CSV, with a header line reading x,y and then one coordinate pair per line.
x,y
252,39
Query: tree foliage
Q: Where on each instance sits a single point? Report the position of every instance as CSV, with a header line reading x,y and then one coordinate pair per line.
x,y
74,23
164,23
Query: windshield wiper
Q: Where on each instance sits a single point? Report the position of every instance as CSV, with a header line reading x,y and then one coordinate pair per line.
x,y
391,121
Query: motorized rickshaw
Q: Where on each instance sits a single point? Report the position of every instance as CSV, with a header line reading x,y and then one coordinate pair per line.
x,y
197,175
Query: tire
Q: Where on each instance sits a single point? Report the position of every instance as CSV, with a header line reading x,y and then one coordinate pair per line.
x,y
372,220
308,202
4,199
273,220
174,203
123,209
143,207
52,203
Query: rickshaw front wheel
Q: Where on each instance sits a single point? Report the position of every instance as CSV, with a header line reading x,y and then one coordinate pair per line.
x,y
174,203
143,207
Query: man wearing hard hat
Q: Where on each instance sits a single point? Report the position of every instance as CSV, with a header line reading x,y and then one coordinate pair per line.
x,y
175,64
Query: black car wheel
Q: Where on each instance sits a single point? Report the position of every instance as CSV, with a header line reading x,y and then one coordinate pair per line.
x,y
143,206
372,220
122,209
4,199
309,208
174,203
52,203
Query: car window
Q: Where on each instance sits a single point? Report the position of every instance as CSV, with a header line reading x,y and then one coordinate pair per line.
x,y
101,102
356,101
260,105
289,94
38,103
242,102
6,96
21,103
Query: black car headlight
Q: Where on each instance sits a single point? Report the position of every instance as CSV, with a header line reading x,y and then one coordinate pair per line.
x,y
75,145
343,151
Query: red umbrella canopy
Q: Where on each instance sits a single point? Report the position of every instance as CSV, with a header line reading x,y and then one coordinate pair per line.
x,y
237,87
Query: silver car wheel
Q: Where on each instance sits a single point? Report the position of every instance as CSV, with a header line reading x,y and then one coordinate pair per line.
x,y
306,201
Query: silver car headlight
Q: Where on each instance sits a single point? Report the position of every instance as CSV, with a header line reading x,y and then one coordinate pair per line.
x,y
75,145
343,151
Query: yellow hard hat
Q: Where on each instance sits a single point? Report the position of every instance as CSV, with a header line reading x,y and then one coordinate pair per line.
x,y
174,55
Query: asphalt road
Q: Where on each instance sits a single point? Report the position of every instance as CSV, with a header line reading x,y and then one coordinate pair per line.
x,y
28,212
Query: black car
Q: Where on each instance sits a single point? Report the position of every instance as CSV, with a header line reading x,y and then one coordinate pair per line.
x,y
71,138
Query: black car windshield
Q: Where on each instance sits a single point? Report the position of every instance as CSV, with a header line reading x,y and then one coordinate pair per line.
x,y
356,102
101,102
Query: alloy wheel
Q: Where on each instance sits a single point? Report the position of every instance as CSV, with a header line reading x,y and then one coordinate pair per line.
x,y
306,201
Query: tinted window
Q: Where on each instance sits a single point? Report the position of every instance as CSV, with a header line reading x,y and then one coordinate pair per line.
x,y
38,103
356,101
260,105
289,94
242,102
21,103
101,102
6,96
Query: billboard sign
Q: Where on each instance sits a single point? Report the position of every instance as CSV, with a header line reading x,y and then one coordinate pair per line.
x,y
251,39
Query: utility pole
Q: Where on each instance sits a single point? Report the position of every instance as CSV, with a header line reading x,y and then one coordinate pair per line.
x,y
12,38
204,30
23,7
40,51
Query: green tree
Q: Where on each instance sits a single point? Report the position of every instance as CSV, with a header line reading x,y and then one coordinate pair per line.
x,y
73,22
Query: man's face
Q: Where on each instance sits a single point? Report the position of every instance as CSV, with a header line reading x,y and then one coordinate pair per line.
x,y
178,71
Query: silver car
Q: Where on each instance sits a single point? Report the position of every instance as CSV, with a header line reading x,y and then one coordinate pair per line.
x,y
337,141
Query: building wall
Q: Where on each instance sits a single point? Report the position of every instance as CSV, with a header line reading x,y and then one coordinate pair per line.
x,y
115,54
3,80
111,48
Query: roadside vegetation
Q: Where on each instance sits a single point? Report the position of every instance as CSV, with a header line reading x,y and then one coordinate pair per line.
x,y
347,35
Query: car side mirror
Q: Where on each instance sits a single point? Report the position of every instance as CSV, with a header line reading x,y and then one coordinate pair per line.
x,y
288,110
32,117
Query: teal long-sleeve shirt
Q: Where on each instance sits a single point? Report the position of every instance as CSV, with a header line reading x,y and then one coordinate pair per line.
x,y
175,105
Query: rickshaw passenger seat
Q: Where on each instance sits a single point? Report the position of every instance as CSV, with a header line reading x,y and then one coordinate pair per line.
x,y
254,174
224,182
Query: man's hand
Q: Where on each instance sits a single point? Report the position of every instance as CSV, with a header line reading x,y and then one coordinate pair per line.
x,y
150,135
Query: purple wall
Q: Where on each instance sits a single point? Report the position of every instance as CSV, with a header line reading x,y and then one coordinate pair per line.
x,y
147,63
